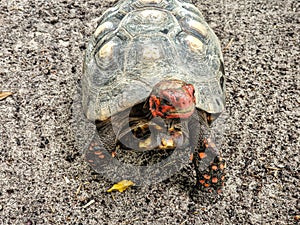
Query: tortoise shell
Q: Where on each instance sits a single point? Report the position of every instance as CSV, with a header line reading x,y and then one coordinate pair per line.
x,y
139,43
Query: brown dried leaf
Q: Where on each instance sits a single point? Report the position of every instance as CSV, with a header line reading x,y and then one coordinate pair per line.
x,y
121,186
5,94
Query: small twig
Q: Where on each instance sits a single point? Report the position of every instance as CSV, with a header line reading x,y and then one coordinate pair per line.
x,y
273,168
228,45
130,222
52,209
15,8
5,94
88,204
183,222
78,189
24,161
113,196
67,180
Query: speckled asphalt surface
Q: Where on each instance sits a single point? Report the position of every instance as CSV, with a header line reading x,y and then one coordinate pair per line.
x,y
44,179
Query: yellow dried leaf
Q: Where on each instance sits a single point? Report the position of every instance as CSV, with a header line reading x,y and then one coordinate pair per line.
x,y
121,186
5,94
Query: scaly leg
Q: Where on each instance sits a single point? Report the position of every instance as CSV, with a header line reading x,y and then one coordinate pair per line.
x,y
101,150
212,177
206,159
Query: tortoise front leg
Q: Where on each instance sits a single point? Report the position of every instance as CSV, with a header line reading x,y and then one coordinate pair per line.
x,y
205,157
209,167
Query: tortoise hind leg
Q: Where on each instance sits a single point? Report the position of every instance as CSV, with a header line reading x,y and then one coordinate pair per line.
x,y
101,150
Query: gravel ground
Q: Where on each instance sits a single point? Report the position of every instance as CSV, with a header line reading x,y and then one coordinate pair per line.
x,y
44,179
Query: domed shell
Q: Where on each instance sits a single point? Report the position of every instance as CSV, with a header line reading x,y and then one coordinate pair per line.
x,y
137,44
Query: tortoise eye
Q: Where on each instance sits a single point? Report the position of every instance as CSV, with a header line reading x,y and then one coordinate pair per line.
x,y
165,102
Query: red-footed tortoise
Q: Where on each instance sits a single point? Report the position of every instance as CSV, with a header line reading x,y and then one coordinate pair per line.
x,y
154,82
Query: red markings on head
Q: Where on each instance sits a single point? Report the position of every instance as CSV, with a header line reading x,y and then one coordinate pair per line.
x,y
172,99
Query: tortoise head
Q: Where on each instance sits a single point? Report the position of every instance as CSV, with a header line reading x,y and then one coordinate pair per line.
x,y
172,99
